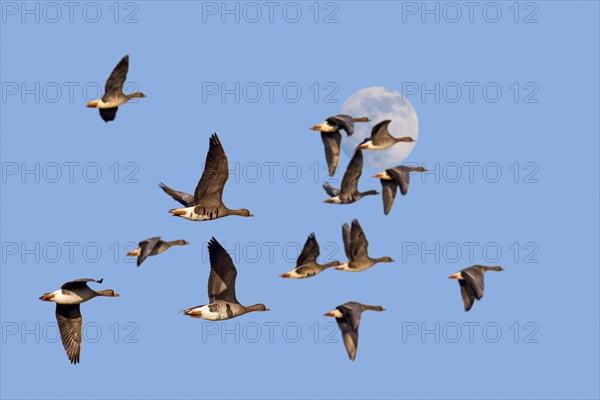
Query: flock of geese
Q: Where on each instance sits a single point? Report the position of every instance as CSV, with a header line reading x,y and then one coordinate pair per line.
x,y
207,204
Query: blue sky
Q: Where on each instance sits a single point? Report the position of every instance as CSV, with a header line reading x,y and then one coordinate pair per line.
x,y
514,183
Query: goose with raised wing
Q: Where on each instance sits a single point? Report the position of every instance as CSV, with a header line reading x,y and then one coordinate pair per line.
x,y
113,96
331,136
381,138
306,264
206,203
222,302
471,283
347,317
356,247
349,191
390,180
68,315
152,247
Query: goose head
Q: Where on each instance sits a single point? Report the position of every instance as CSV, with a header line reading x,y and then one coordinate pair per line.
x,y
108,293
246,213
258,307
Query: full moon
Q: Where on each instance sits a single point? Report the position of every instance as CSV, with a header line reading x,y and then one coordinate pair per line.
x,y
380,103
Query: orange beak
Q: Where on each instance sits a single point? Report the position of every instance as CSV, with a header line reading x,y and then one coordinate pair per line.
x,y
47,297
330,201
453,276
362,147
339,268
92,104
315,128
286,275
379,175
177,212
329,314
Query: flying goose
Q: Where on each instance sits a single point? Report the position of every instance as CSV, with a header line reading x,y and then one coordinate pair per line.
x,y
67,299
381,139
349,192
356,247
306,264
113,92
206,203
390,180
331,136
347,317
221,289
152,247
471,283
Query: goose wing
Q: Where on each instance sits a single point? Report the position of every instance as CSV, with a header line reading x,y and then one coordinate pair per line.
x,y
114,84
353,173
342,121
79,283
349,327
331,143
331,190
310,252
221,281
380,133
358,240
346,240
388,194
473,277
108,114
467,294
69,322
216,172
186,199
401,175
146,247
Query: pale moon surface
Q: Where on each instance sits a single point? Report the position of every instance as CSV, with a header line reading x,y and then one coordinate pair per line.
x,y
380,103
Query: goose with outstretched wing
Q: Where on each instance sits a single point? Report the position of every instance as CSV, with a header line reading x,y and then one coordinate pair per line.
x,y
113,96
206,203
471,283
391,179
381,138
349,192
153,246
356,247
68,315
222,301
306,264
347,317
331,136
